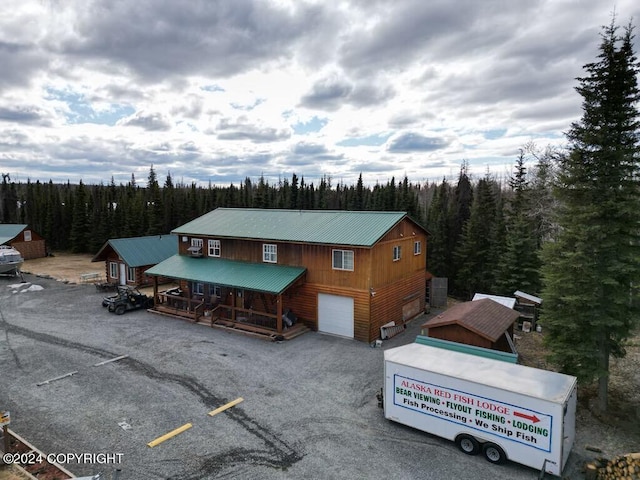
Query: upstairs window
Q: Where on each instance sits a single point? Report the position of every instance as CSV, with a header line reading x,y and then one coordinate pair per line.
x,y
214,248
270,253
27,235
417,247
397,253
196,247
343,260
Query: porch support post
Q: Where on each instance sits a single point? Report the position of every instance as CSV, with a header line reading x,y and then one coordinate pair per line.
x,y
233,305
279,313
156,300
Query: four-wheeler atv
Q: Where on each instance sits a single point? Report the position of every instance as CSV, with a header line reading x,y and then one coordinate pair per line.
x,y
127,298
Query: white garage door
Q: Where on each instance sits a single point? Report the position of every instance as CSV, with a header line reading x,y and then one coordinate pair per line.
x,y
335,315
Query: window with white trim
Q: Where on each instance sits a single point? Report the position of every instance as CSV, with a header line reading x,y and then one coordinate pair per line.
x,y
343,260
113,269
215,291
269,253
417,247
214,248
196,247
131,274
197,288
27,235
397,252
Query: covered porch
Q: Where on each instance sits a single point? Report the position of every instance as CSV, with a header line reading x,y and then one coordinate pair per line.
x,y
239,296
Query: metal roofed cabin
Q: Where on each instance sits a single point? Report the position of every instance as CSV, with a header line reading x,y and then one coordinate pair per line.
x,y
127,259
278,272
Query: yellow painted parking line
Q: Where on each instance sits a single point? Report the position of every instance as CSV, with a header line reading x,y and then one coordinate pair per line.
x,y
169,435
224,407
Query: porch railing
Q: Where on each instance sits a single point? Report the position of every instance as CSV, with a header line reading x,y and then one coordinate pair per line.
x,y
180,305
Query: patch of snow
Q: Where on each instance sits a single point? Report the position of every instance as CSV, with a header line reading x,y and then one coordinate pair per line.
x,y
32,288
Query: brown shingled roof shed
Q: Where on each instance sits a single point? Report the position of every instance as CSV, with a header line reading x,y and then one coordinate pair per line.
x,y
483,323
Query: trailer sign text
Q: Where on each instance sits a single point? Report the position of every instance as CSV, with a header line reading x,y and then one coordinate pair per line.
x,y
511,422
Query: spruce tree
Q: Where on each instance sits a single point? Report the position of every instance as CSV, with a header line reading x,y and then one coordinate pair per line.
x,y
474,254
438,253
519,263
592,267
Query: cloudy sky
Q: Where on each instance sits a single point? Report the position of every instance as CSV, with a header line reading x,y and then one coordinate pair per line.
x,y
216,91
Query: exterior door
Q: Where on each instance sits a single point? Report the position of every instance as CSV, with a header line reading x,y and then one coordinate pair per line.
x,y
335,315
123,274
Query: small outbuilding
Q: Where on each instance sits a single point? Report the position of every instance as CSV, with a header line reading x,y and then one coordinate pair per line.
x,y
483,323
528,305
22,238
506,301
127,259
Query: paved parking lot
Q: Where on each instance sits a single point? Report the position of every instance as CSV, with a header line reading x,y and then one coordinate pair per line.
x,y
309,408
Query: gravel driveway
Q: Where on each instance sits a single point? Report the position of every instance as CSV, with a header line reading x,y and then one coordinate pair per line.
x,y
309,408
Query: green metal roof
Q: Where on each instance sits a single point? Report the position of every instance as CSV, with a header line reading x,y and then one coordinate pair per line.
x,y
140,251
9,231
356,228
261,277
470,349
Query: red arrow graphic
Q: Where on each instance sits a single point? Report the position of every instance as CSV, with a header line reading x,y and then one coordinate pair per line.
x,y
532,418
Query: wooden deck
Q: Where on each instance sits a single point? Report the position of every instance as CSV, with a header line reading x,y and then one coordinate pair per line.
x,y
243,327
257,331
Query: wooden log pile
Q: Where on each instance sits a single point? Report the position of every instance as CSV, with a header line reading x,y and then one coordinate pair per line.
x,y
623,467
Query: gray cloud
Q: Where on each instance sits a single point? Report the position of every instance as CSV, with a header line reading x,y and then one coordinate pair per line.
x,y
242,130
153,122
19,62
334,91
303,148
414,142
329,94
24,114
166,38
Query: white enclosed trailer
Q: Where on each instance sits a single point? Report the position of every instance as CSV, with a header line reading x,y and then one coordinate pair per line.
x,y
506,411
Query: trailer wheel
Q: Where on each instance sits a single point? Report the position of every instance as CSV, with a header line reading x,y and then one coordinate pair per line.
x,y
468,444
494,453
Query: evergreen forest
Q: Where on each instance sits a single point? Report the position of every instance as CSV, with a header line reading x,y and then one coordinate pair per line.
x,y
478,226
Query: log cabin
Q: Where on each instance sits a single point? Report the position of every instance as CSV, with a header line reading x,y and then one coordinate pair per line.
x,y
127,259
281,272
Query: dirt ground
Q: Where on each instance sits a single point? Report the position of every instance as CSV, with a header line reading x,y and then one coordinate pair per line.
x,y
65,267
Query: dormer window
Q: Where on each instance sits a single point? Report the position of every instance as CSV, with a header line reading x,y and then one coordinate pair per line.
x,y
195,250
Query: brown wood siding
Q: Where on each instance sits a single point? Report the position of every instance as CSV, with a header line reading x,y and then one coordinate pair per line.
x,y
388,301
32,249
318,259
29,249
304,303
456,333
385,270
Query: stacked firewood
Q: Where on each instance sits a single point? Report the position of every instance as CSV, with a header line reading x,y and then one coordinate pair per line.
x,y
623,467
